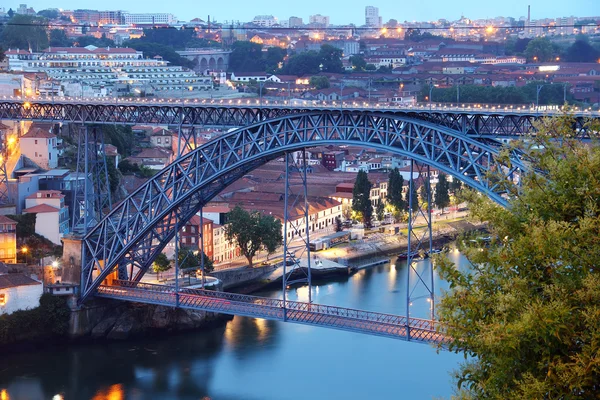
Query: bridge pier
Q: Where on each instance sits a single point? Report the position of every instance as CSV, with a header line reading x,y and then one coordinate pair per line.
x,y
71,257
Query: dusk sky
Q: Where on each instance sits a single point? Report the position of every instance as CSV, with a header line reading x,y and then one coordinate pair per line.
x,y
340,12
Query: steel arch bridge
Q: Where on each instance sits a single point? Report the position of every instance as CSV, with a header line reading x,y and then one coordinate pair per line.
x,y
136,230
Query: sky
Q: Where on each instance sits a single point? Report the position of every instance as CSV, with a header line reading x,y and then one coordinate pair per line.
x,y
340,12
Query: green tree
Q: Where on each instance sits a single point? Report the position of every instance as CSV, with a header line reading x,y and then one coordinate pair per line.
x,y
338,224
370,67
161,264
582,51
50,14
171,37
319,82
526,315
252,231
392,23
331,58
539,49
455,186
58,38
10,13
25,32
168,53
358,62
303,64
273,57
413,195
246,57
84,41
379,211
395,187
442,192
361,198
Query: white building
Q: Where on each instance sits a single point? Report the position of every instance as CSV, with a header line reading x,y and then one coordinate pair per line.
x,y
372,17
149,18
18,292
52,215
265,20
40,146
320,20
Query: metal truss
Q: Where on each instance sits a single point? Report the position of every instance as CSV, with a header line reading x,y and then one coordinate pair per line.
x,y
5,197
420,242
388,325
92,196
296,216
491,123
141,225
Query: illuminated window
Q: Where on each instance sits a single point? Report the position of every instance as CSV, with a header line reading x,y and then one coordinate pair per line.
x,y
2,299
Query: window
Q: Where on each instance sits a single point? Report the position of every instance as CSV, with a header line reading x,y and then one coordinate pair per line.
x,y
2,299
35,141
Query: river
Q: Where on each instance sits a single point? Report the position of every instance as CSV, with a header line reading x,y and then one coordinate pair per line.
x,y
252,359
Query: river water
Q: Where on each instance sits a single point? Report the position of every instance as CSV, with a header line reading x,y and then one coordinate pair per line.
x,y
253,359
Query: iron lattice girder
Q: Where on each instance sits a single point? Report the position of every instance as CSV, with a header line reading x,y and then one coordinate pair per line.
x,y
140,226
389,325
484,122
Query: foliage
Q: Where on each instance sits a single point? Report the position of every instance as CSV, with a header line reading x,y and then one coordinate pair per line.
x,y
302,64
358,62
581,51
2,56
338,224
413,194
370,67
540,50
252,231
161,264
442,192
25,225
319,82
273,57
167,52
25,32
416,35
361,198
58,38
84,41
515,46
142,171
50,14
394,193
550,94
48,321
122,137
170,37
392,23
331,59
379,211
198,43
455,186
246,57
527,314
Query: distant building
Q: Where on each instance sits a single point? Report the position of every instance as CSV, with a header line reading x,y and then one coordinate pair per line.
x,y
149,18
40,145
18,292
8,240
191,233
295,22
265,21
372,17
319,20
52,214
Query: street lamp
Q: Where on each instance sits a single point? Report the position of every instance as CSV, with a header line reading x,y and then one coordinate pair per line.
x,y
25,250
537,96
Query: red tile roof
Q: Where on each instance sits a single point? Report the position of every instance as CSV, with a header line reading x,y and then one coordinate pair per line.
x,y
6,220
38,133
46,194
15,280
41,208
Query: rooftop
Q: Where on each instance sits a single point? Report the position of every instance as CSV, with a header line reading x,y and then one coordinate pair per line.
x,y
16,280
6,220
46,194
41,208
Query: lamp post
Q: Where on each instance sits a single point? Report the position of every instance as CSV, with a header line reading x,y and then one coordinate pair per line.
x,y
537,96
25,250
430,93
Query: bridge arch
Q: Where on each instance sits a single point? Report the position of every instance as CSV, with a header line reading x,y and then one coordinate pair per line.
x,y
137,229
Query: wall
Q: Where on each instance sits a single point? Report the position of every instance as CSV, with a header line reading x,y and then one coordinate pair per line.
x,y
239,276
44,153
21,298
47,225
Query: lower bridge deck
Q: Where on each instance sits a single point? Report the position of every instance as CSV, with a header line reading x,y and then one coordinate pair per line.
x,y
388,325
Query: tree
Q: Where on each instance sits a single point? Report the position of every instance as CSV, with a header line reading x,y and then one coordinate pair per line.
x,y
331,58
361,198
58,38
395,188
392,23
582,51
161,264
319,82
539,49
442,194
358,62
273,57
455,186
303,64
370,67
189,262
50,14
252,231
338,224
414,196
526,315
25,32
84,41
246,57
379,211
168,53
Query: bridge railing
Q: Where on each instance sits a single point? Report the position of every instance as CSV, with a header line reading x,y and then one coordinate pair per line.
x,y
290,306
301,103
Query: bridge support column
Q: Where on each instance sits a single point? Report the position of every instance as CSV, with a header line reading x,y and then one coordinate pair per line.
x,y
419,281
296,225
71,259
92,196
5,195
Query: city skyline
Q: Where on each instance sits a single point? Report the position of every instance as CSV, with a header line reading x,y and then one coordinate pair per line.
x,y
353,13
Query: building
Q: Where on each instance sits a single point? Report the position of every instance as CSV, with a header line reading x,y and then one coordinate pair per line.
x,y
149,18
161,137
295,22
319,20
223,249
155,158
40,145
18,292
191,233
8,240
52,214
332,159
372,17
266,21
